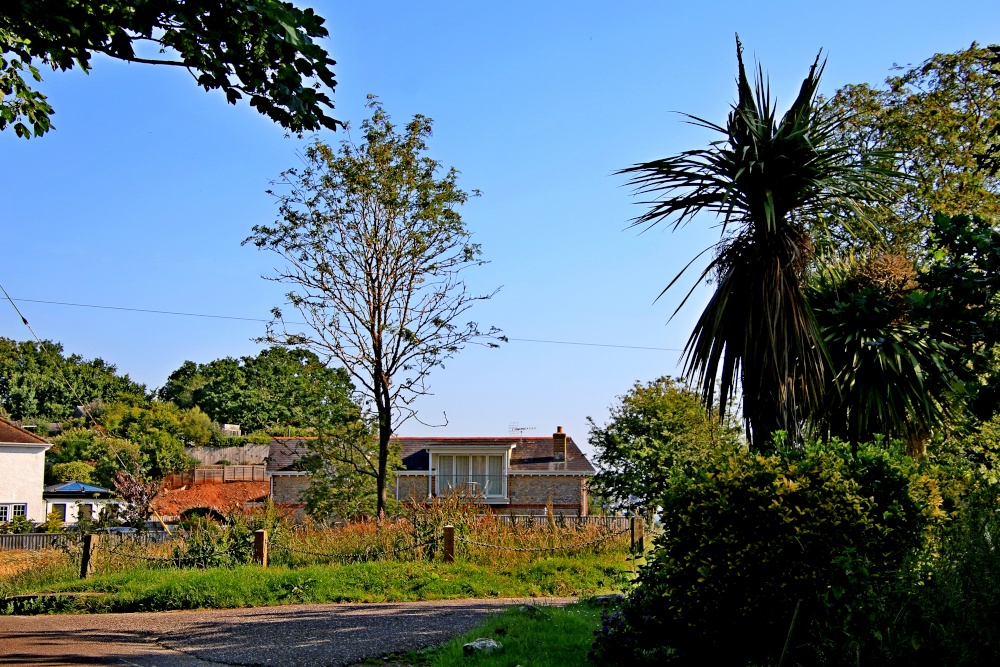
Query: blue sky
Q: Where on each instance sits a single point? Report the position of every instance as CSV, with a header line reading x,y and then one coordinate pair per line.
x,y
142,195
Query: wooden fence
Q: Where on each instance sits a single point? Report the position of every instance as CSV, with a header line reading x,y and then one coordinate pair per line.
x,y
216,475
609,522
243,455
36,541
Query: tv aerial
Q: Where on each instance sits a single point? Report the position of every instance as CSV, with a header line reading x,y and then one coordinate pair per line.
x,y
518,430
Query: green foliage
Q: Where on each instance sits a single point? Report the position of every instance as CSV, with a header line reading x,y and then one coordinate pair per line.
x,y
263,50
946,611
78,471
655,431
753,538
90,447
889,370
935,123
374,249
278,388
775,183
960,280
17,524
35,381
53,523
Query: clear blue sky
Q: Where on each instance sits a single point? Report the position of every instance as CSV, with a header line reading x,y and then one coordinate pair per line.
x,y
142,195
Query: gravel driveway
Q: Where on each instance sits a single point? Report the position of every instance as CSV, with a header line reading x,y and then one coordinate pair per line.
x,y
291,635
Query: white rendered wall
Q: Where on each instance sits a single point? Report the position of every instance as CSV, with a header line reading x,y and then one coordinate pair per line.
x,y
22,477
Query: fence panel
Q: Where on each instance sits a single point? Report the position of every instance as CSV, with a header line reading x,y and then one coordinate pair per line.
x,y
244,474
243,455
36,541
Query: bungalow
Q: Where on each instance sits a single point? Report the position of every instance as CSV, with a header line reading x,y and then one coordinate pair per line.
x,y
519,474
22,473
75,501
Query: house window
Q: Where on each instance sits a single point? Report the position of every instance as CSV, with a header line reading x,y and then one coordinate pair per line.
x,y
4,514
19,510
473,474
59,509
85,511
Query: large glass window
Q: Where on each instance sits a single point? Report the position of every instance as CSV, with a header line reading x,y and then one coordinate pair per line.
x,y
473,474
60,510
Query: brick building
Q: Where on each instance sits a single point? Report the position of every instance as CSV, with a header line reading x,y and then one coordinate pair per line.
x,y
519,474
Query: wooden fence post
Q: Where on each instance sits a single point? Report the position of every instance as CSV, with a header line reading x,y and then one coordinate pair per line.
x,y
638,530
88,548
260,547
449,544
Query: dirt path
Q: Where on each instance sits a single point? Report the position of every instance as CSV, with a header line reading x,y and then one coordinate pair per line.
x,y
314,635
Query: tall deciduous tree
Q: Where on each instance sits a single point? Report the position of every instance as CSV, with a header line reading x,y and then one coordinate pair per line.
x,y
774,182
375,250
938,123
260,49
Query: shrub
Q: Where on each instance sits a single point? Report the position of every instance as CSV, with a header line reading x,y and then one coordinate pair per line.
x,y
947,609
752,539
78,471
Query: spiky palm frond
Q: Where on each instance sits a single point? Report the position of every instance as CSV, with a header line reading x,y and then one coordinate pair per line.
x,y
772,182
890,371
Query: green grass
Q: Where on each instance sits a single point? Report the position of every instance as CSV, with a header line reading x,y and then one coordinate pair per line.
x,y
540,637
251,586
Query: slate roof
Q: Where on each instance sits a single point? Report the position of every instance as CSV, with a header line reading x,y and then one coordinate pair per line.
x,y
13,434
530,454
285,453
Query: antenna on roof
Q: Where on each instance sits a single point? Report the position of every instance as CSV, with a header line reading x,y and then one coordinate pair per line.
x,y
518,430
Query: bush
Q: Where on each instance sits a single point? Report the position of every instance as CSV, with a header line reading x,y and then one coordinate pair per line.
x,y
78,471
947,609
752,539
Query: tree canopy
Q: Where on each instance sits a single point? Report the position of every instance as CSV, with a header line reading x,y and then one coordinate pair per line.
x,y
263,50
656,430
936,122
38,382
277,388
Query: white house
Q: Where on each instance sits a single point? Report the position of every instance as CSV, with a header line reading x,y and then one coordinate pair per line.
x,y
22,473
74,500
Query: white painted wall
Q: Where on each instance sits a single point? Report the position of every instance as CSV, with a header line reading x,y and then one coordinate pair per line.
x,y
22,477
73,507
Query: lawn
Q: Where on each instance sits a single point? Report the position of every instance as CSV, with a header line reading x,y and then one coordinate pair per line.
x,y
151,589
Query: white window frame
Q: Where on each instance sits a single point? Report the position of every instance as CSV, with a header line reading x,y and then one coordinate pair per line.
x,y
438,476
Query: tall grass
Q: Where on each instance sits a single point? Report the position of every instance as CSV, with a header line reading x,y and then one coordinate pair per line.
x,y
398,559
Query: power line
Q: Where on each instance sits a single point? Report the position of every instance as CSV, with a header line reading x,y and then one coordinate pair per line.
x,y
257,319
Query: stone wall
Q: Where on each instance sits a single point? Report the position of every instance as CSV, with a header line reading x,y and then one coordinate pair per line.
x,y
411,487
567,493
286,489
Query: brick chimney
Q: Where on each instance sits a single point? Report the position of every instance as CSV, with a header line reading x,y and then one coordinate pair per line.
x,y
559,444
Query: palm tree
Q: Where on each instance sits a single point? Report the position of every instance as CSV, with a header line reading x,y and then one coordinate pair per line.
x,y
773,183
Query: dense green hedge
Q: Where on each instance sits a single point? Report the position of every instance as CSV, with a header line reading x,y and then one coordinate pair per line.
x,y
752,538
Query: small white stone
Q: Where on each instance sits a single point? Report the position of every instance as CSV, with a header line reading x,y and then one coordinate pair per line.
x,y
482,645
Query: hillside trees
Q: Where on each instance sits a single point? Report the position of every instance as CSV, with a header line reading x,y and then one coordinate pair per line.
x,y
263,50
278,387
375,251
36,381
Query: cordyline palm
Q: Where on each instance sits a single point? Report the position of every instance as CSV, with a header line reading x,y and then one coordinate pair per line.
x,y
773,182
